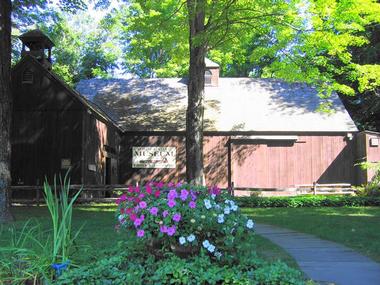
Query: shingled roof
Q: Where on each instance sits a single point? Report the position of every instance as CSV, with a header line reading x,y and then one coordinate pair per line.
x,y
236,104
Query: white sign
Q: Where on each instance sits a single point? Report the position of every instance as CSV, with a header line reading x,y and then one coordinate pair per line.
x,y
65,163
154,157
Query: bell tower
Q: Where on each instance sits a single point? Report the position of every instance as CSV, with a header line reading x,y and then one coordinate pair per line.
x,y
35,43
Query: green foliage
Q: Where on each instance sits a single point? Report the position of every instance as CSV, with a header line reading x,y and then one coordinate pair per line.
x,y
372,188
156,34
308,201
26,255
132,267
61,208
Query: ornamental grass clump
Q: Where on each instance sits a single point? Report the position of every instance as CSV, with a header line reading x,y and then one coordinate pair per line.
x,y
180,216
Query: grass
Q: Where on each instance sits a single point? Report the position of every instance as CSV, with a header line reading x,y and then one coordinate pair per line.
x,y
98,233
355,227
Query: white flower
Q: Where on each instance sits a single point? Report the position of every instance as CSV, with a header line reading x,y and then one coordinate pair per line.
x,y
227,210
121,217
211,248
234,208
221,219
206,243
213,196
250,224
182,240
191,238
207,204
217,206
218,254
227,201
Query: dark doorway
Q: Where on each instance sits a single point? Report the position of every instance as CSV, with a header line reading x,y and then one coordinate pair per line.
x,y
108,175
108,171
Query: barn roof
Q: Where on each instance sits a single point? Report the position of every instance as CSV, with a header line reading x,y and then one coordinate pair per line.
x,y
236,104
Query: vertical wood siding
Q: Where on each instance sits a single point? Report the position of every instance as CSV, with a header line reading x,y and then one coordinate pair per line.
x,y
321,159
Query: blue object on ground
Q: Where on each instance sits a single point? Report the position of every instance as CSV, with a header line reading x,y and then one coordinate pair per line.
x,y
59,267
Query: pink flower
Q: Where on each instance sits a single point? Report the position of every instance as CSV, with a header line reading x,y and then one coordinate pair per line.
x,y
165,213
142,204
129,211
215,190
157,193
172,194
176,217
141,196
171,230
184,194
171,203
130,189
148,189
153,211
159,184
170,184
192,204
133,217
163,229
140,233
122,211
137,222
137,189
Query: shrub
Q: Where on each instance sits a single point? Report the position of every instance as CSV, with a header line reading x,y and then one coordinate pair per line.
x,y
372,188
184,216
308,201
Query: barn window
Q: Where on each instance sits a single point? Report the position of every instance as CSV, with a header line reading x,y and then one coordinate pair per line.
x,y
208,76
27,77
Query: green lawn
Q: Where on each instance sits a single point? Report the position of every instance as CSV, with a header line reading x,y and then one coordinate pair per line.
x,y
355,227
98,233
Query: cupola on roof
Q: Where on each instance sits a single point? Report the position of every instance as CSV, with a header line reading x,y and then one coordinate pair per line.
x,y
36,36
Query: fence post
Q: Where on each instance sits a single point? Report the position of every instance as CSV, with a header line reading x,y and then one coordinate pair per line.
x,y
315,188
38,192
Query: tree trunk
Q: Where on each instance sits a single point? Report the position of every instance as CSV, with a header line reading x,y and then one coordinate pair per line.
x,y
5,109
194,114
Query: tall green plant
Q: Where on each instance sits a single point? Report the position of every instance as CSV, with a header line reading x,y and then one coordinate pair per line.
x,y
61,210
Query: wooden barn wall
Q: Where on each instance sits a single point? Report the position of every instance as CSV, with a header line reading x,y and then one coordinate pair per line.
x,y
100,142
323,158
129,175
361,156
46,129
372,146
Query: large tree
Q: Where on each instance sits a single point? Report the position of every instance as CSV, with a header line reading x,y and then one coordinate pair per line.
x,y
5,108
184,32
21,11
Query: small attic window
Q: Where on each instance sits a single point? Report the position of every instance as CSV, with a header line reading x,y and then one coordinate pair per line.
x,y
27,77
208,76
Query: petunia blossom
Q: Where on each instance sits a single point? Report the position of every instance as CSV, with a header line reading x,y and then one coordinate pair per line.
x,y
153,211
184,194
177,217
140,233
172,194
171,203
142,204
165,213
192,204
171,230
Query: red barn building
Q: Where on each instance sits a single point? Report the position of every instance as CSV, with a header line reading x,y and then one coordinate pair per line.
x,y
258,133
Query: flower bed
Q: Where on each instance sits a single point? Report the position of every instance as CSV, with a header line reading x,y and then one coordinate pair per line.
x,y
182,215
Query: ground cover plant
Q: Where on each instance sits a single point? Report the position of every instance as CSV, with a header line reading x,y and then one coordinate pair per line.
x,y
355,227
